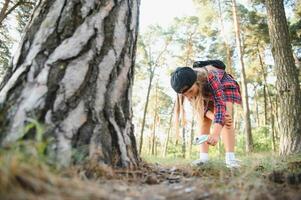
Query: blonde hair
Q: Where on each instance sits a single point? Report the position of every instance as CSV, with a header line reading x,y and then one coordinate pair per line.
x,y
198,103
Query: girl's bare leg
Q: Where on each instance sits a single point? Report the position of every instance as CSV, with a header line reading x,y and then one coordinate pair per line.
x,y
228,133
228,137
205,130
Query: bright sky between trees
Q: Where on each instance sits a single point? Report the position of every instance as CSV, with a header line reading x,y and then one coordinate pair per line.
x,y
162,12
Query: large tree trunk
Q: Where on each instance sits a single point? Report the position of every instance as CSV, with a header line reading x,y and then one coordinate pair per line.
x,y
287,84
249,139
74,72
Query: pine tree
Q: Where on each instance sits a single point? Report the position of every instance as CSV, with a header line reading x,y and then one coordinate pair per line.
x,y
74,73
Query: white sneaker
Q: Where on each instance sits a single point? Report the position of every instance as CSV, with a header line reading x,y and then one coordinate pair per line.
x,y
198,162
232,164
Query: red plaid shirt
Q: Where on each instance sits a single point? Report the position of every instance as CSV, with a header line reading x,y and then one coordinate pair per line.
x,y
222,88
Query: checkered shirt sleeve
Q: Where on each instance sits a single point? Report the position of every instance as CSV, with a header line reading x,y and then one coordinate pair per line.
x,y
218,97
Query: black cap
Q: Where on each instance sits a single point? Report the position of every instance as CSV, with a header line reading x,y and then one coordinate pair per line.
x,y
182,79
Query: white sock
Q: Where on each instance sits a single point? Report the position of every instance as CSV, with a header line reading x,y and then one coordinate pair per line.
x,y
204,157
229,156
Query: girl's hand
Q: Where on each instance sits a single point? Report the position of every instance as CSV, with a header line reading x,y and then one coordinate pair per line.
x,y
228,120
213,139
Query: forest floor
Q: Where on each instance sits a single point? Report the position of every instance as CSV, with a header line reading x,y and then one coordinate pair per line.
x,y
260,177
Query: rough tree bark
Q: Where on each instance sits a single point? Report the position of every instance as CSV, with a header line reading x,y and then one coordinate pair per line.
x,y
74,73
7,10
287,84
247,121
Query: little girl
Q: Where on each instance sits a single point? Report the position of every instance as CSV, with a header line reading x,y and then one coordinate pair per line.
x,y
212,93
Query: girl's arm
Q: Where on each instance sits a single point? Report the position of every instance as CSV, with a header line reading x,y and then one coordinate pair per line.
x,y
228,118
219,106
209,68
217,127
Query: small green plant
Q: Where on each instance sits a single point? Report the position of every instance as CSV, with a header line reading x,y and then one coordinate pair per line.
x,y
40,143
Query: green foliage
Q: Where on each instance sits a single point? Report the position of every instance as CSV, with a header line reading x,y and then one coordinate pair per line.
x,y
262,139
33,144
252,165
39,129
175,150
162,104
295,27
210,14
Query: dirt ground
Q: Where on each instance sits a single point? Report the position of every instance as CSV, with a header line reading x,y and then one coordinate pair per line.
x,y
205,182
153,182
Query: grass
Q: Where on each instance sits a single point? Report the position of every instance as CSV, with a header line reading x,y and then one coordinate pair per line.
x,y
25,173
265,161
261,176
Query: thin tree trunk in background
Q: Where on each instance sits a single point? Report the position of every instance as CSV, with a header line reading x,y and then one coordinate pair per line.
x,y
151,76
256,108
156,148
265,105
168,132
149,145
191,136
298,65
152,69
74,72
155,122
297,62
184,142
266,92
287,84
273,134
273,111
249,139
153,137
